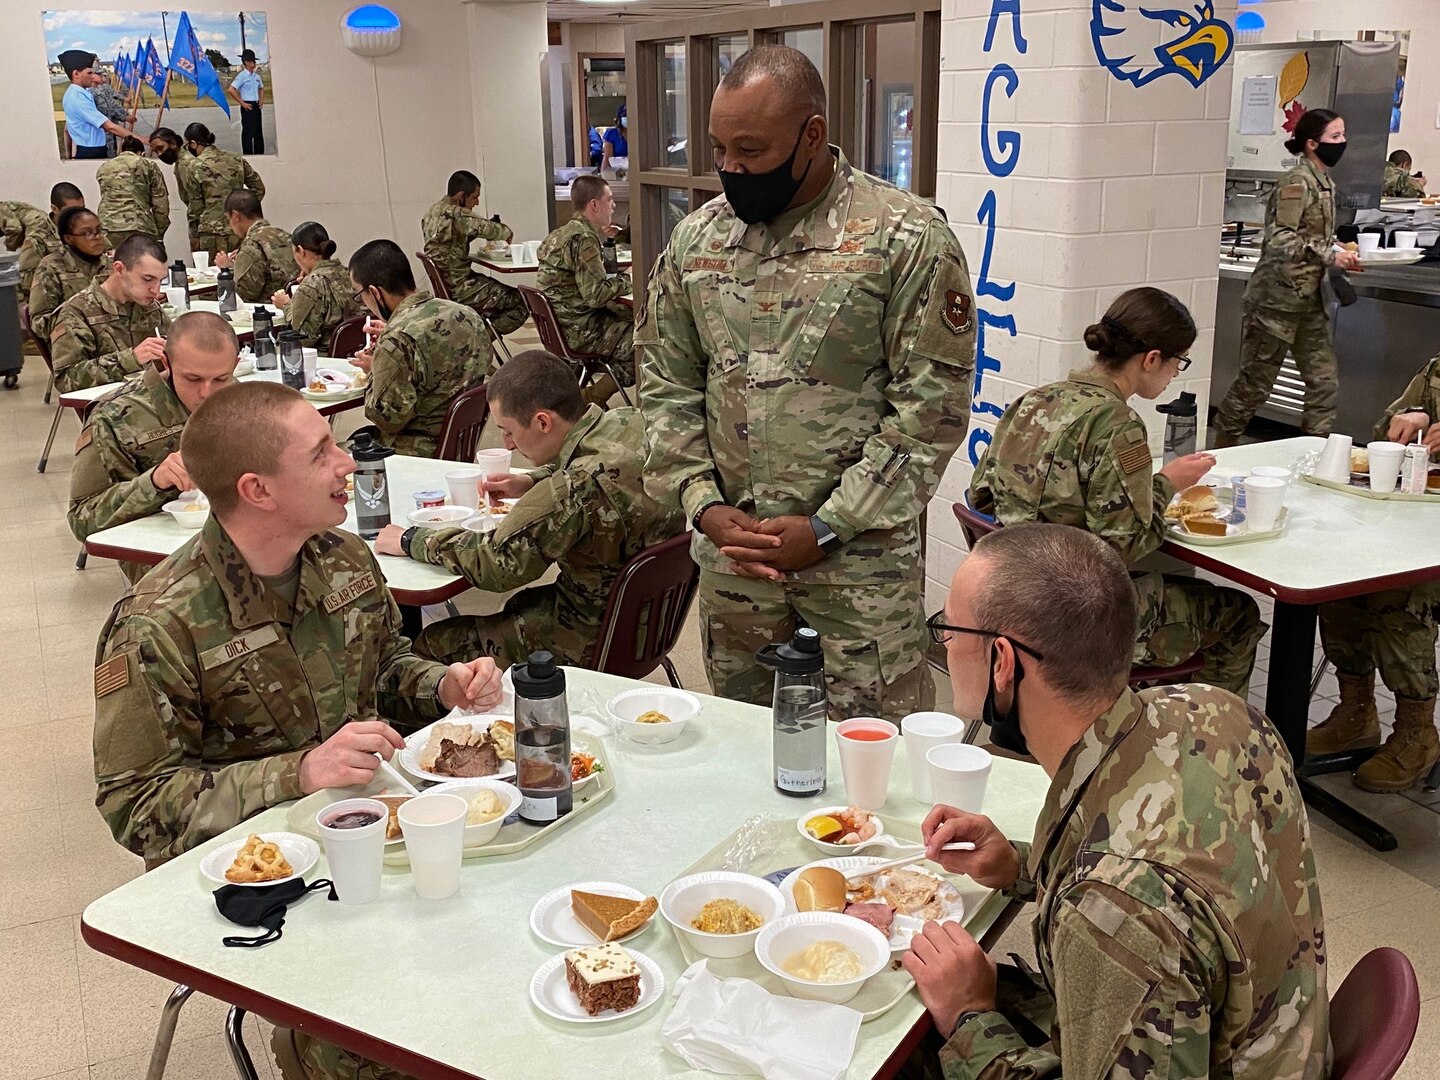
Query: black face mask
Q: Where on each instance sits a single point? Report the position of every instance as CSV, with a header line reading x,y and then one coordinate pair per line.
x,y
1330,153
263,907
83,256
1005,730
757,197
169,157
385,311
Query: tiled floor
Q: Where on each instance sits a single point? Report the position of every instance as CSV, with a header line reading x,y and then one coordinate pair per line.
x,y
69,1013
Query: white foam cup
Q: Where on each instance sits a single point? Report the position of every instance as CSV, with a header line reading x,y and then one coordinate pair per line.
x,y
958,775
494,463
921,731
1405,239
1367,242
865,763
1385,461
1334,463
434,828
356,856
202,260
464,487
1264,499
175,297
1275,472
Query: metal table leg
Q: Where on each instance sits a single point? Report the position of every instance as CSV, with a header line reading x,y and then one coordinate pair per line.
x,y
410,621
1287,703
235,1039
165,1033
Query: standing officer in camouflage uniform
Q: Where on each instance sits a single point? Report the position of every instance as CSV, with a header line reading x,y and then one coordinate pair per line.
x,y
806,360
248,668
429,350
323,297
127,459
449,228
80,262
1178,924
585,509
585,298
1283,310
212,176
1395,629
165,146
264,262
115,326
1398,181
133,198
1075,453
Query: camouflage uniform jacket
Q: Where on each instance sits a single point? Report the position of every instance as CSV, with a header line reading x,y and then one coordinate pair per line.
x,y
187,189
449,230
213,175
1075,453
572,275
588,513
30,231
93,338
1179,929
133,197
1299,240
130,432
1400,184
1422,394
321,302
824,371
57,278
109,101
429,351
208,691
264,262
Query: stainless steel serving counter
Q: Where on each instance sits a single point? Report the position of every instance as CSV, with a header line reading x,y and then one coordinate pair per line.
x,y
1380,342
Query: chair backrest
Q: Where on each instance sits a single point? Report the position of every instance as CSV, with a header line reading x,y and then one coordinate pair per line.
x,y
1374,1016
437,282
349,337
464,420
40,343
546,324
973,523
646,609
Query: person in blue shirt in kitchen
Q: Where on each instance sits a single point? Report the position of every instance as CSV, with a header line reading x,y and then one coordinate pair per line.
x,y
249,90
616,144
84,122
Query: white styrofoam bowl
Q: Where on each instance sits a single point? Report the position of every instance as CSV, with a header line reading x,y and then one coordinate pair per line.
x,y
779,940
480,835
680,705
684,897
187,519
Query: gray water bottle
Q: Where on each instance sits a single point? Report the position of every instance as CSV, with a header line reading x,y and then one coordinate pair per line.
x,y
225,291
542,740
800,709
266,357
1180,426
372,490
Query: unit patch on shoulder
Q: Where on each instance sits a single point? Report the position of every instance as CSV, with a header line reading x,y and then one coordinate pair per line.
x,y
958,306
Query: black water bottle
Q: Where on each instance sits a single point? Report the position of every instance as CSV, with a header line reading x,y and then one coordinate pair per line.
x,y
542,740
225,291
372,490
610,256
179,279
266,355
292,359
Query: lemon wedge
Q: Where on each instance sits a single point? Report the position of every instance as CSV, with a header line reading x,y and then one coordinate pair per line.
x,y
824,827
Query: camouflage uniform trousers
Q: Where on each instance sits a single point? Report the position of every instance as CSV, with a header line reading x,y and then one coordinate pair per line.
x,y
1395,630
874,639
1188,616
115,239
1267,335
502,305
214,243
507,637
304,1057
614,339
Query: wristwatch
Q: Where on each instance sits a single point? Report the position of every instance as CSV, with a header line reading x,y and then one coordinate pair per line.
x,y
825,536
965,1018
406,537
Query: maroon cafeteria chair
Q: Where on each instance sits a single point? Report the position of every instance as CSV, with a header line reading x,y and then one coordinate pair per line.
x,y
348,338
464,420
590,364
1374,1016
646,611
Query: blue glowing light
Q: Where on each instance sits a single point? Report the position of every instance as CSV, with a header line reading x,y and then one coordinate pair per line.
x,y
372,17
1250,20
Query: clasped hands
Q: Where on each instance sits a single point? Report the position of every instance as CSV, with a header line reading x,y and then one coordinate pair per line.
x,y
766,549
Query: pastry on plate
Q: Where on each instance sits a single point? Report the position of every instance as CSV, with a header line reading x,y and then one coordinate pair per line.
x,y
258,860
610,918
1203,525
393,804
1359,461
603,977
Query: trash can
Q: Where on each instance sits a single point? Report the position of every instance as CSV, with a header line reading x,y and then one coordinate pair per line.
x,y
11,358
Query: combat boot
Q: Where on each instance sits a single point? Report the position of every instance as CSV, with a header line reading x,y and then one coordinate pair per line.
x,y
600,391
1351,725
1410,752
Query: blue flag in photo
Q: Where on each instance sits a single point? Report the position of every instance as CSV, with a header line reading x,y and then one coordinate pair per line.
x,y
137,70
188,61
154,69
122,65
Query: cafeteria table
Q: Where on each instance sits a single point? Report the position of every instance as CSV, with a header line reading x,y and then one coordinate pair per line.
x,y
149,540
440,989
504,264
1335,546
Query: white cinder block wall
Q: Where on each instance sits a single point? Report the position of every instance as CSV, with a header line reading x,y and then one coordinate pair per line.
x,y
1066,186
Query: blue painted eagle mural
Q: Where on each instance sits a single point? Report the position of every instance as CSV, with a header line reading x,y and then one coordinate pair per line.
x,y
1139,41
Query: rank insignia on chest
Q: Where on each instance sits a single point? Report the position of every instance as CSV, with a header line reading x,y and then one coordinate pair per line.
x,y
862,226
957,310
340,597
853,246
112,675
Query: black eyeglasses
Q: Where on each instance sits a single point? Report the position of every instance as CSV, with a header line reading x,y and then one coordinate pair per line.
x,y
940,633
1183,361
358,297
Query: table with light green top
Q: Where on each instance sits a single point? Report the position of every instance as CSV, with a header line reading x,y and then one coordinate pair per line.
x,y
441,988
1335,546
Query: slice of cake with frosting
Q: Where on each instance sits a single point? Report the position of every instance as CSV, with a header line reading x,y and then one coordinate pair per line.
x,y
603,977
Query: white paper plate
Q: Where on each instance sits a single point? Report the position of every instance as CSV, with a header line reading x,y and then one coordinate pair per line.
x,y
552,920
905,926
329,393
415,746
300,852
551,995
